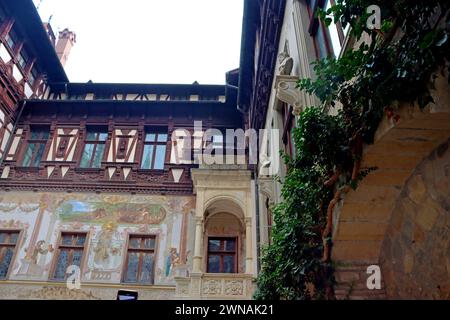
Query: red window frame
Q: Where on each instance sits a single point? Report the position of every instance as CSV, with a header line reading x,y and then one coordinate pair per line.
x,y
223,252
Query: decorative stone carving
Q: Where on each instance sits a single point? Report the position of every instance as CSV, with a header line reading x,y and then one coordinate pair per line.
x,y
211,287
286,63
287,91
58,293
234,288
266,187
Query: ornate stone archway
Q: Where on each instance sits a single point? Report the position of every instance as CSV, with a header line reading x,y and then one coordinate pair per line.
x,y
225,194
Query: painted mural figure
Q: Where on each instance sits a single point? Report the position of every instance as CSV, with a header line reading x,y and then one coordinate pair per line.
x,y
173,259
30,264
104,249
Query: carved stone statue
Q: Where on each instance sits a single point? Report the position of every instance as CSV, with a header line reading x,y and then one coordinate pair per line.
x,y
286,63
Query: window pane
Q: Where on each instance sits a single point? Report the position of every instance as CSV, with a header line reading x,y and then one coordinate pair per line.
x,y
150,137
135,243
132,267
5,262
91,135
77,255
28,154
147,268
66,239
13,237
320,40
160,157
213,264
149,243
61,264
98,156
39,134
335,42
214,245
228,264
147,157
162,137
10,41
22,61
102,136
80,239
87,155
3,237
37,158
230,245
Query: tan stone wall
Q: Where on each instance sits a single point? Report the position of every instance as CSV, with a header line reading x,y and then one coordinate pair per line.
x,y
397,218
415,255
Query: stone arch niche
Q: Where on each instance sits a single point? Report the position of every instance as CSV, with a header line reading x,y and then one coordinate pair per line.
x,y
224,207
380,224
225,218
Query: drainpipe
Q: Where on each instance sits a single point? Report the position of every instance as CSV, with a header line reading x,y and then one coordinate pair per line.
x,y
11,137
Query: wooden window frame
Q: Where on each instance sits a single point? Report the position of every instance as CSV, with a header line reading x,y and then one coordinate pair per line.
x,y
156,131
14,39
269,220
221,253
288,126
70,259
140,249
97,130
29,141
316,24
13,258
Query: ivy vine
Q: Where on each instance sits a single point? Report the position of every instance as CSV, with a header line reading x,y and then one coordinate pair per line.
x,y
400,63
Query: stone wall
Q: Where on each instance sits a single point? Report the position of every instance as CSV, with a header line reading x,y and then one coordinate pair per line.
x,y
415,255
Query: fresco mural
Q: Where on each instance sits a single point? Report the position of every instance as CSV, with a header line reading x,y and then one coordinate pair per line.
x,y
108,219
118,212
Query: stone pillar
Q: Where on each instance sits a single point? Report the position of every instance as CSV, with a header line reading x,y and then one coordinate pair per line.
x,y
198,245
248,246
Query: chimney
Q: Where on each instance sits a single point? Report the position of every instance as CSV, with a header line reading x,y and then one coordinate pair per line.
x,y
66,40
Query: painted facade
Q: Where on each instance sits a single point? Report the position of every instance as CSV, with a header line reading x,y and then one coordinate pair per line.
x,y
93,180
107,219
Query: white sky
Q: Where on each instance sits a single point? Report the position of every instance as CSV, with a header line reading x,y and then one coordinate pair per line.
x,y
149,41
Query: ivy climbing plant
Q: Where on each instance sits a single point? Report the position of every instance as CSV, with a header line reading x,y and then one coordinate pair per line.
x,y
399,63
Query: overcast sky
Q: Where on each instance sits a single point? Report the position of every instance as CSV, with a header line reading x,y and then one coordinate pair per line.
x,y
149,41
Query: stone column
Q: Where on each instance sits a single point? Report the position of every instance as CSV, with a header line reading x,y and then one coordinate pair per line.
x,y
198,245
248,246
